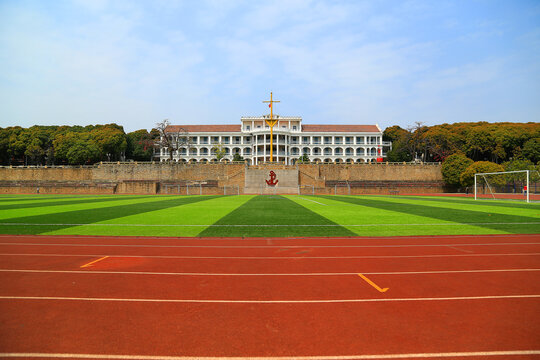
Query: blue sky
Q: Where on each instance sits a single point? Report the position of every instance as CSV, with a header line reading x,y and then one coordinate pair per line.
x,y
136,63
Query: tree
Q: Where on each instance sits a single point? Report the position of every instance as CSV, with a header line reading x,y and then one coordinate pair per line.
x,y
303,159
110,140
83,152
172,141
237,157
219,151
453,166
400,148
531,149
467,177
140,145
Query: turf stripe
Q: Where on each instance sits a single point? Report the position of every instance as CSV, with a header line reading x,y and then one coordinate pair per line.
x,y
495,221
64,220
278,211
25,204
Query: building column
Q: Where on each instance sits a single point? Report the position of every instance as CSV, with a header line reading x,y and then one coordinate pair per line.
x,y
264,148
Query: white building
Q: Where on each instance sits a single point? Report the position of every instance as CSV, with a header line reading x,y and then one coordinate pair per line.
x,y
292,139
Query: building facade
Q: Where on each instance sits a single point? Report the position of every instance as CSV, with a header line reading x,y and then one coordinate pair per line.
x,y
291,140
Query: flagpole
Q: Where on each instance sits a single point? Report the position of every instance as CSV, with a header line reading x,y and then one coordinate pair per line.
x,y
271,130
271,123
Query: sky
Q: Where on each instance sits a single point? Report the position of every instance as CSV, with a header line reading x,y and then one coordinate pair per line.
x,y
136,63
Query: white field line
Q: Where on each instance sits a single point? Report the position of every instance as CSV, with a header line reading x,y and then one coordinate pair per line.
x,y
275,257
210,301
267,246
273,225
265,274
316,202
334,357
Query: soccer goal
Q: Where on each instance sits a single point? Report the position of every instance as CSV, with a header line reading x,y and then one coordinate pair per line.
x,y
306,190
342,188
515,185
231,190
194,189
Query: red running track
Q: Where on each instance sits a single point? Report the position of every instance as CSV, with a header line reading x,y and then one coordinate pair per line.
x,y
473,297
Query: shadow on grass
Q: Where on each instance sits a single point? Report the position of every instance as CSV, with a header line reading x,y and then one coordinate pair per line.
x,y
511,223
271,210
63,220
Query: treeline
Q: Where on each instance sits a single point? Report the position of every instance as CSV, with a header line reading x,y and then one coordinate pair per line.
x,y
469,148
481,141
73,145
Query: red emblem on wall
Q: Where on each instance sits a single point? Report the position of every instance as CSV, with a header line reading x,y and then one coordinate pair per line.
x,y
273,181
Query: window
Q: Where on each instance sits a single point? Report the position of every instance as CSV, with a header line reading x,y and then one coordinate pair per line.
x,y
294,127
247,128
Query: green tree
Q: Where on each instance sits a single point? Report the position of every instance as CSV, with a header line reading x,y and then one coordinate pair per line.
x,y
467,177
110,140
531,149
83,152
237,157
400,144
219,151
140,145
452,168
303,159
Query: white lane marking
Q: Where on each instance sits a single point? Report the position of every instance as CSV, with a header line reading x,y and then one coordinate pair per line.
x,y
532,296
320,203
266,246
334,357
276,257
263,274
274,225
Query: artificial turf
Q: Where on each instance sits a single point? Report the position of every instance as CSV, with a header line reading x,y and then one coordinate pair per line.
x,y
249,215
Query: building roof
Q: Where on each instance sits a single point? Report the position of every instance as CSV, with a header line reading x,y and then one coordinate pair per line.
x,y
341,128
204,128
305,128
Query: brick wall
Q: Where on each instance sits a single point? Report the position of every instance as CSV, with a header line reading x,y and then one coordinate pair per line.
x,y
145,178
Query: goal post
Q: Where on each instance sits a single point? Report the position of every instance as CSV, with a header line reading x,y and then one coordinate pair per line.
x,y
342,185
231,190
503,184
306,190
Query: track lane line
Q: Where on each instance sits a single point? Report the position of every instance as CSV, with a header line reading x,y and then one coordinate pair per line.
x,y
210,301
336,357
276,257
265,274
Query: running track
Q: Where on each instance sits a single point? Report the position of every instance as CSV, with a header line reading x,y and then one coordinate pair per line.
x,y
473,297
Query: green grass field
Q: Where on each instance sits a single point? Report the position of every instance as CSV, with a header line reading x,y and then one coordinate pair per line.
x,y
250,215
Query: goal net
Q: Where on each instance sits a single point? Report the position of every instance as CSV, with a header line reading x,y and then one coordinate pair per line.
x,y
510,185
306,190
231,190
342,188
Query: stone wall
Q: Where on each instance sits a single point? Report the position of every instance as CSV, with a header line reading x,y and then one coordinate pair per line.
x,y
151,178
